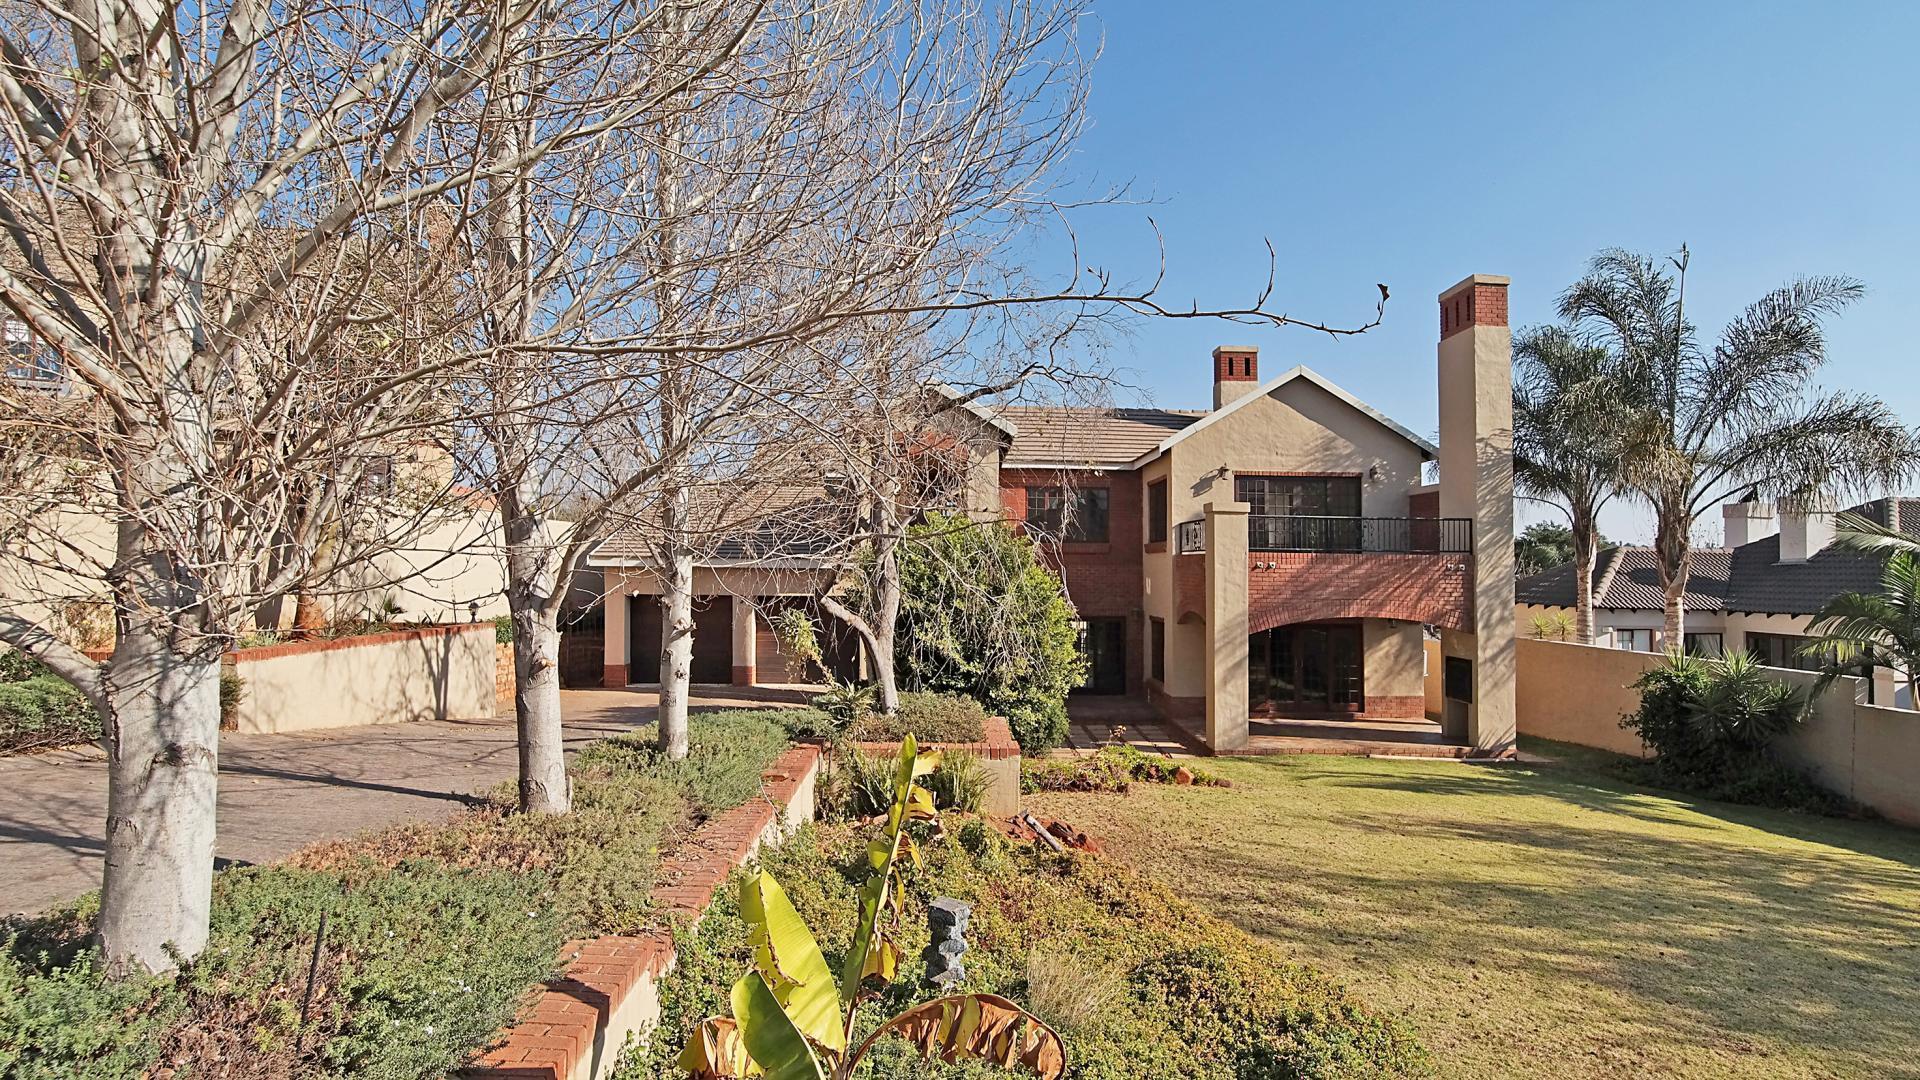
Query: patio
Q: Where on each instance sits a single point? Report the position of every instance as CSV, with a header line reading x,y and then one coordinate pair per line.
x,y
1094,722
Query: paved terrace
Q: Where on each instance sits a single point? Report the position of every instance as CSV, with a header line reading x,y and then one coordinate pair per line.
x,y
1098,721
281,792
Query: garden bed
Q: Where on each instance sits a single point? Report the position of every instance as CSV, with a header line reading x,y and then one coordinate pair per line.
x,y
435,932
1138,982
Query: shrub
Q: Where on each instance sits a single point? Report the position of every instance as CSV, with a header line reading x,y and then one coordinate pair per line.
x,y
503,630
233,690
419,966
982,615
799,642
845,703
859,784
42,712
1263,1018
1712,725
1111,768
929,718
601,859
959,783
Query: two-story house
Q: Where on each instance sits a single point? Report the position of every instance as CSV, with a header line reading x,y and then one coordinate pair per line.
x,y
1276,556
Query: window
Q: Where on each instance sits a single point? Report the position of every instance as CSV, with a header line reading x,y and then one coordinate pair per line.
x,y
1157,512
1077,516
1633,640
1157,649
30,360
1781,650
1301,513
1704,644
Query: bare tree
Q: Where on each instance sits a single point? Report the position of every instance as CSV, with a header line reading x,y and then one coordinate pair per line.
x,y
225,222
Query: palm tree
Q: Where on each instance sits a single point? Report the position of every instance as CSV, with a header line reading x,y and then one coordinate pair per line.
x,y
1711,421
1568,450
1856,630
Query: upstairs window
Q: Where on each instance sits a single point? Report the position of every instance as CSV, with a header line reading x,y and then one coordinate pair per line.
x,y
1077,516
1157,512
31,361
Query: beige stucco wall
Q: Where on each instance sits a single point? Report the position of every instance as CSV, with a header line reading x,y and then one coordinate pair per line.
x,y
1395,659
448,568
1578,693
1298,428
1869,753
441,675
1432,681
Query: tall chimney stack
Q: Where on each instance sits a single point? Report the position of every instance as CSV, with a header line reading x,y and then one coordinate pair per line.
x,y
1806,527
1236,373
1746,521
1476,483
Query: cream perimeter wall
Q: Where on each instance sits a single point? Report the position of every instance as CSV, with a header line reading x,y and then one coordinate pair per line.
x,y
438,674
1871,754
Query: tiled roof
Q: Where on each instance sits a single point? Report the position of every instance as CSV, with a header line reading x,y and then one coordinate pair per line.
x,y
777,524
1748,578
1054,435
1629,578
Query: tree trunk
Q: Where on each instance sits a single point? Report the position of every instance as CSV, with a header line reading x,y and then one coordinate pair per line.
x,y
531,592
676,652
1673,552
163,754
886,621
1586,551
544,787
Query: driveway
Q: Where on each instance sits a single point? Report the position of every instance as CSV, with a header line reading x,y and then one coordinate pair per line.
x,y
281,792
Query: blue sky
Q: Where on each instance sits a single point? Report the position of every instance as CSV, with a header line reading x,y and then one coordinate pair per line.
x,y
1413,144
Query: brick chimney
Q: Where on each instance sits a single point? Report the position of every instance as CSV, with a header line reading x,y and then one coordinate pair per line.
x,y
1476,482
1236,373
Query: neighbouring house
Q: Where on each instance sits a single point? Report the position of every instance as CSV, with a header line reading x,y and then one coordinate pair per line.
x,y
1275,557
1757,594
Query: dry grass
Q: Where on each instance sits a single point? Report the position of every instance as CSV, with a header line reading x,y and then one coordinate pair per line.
x,y
1547,921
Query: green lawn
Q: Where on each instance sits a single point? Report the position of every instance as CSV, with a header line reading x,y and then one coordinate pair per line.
x,y
1547,921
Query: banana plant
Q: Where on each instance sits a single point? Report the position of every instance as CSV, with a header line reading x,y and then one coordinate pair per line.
x,y
793,1019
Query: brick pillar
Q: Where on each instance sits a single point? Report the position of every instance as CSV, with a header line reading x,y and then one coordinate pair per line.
x,y
1476,482
746,642
1226,629
613,649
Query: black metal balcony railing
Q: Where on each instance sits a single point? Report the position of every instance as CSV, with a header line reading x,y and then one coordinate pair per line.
x,y
1190,537
1275,532
1295,532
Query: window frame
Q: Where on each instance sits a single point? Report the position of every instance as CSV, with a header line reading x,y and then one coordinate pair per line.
x,y
1157,649
1064,513
1634,634
1159,511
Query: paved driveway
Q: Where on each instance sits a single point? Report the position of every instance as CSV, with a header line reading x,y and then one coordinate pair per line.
x,y
280,792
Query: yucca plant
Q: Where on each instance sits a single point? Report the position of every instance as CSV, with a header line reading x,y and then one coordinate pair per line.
x,y
793,1019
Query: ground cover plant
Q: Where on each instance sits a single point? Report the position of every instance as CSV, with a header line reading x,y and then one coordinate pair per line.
x,y
928,717
434,931
39,710
1551,920
1112,768
1136,981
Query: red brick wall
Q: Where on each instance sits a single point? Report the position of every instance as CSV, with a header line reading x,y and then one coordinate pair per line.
x,y
1481,304
1189,586
1302,587
1103,580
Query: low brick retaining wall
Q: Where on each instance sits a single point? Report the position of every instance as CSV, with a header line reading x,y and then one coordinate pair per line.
x,y
999,754
428,673
574,1027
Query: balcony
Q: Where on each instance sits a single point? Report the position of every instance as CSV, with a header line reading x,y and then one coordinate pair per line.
x,y
1349,535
